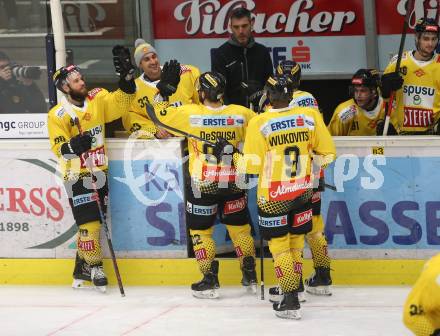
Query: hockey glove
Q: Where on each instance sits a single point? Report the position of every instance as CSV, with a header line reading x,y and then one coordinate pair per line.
x,y
169,79
124,69
223,147
78,145
391,82
380,126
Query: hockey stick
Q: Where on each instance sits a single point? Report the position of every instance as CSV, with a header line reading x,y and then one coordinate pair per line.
x,y
331,187
262,266
155,119
389,106
68,108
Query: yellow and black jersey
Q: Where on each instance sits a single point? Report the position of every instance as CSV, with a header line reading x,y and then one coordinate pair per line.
x,y
227,121
350,119
279,147
303,99
422,307
137,119
417,105
100,107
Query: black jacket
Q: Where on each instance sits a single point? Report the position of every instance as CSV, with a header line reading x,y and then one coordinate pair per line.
x,y
18,98
246,69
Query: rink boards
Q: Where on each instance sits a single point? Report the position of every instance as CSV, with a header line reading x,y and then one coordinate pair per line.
x,y
381,224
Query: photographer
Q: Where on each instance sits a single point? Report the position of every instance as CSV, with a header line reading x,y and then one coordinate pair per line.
x,y
18,92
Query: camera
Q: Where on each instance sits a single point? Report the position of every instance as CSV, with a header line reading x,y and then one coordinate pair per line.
x,y
28,72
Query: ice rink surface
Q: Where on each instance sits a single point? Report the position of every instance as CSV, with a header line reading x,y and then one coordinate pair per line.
x,y
351,311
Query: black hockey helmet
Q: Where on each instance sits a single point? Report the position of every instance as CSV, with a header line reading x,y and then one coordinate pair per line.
x,y
290,69
427,25
279,88
213,84
60,76
366,77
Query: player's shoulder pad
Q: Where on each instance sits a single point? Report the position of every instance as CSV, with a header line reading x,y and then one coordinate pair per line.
x,y
405,56
58,110
184,68
346,110
92,94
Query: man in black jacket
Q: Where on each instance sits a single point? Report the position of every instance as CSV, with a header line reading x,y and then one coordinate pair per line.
x,y
18,91
245,63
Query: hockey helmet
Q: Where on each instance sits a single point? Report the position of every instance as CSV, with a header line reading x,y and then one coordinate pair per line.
x,y
279,88
213,84
366,77
61,75
290,69
427,25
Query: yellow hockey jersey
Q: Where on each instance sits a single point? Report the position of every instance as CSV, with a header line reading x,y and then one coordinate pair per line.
x,y
100,107
350,119
417,104
279,147
422,307
303,99
227,121
137,119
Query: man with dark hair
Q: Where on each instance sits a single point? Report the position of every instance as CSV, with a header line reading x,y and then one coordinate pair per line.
x,y
18,92
360,114
174,81
416,109
245,63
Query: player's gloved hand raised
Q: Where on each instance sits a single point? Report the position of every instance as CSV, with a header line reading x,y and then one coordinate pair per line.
x,y
222,147
391,82
80,143
122,61
169,78
124,69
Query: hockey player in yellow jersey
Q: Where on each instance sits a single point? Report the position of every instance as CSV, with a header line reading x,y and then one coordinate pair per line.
x,y
416,86
421,313
211,188
80,153
319,283
360,114
173,81
279,146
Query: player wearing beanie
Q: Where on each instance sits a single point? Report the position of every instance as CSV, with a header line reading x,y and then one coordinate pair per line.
x,y
174,82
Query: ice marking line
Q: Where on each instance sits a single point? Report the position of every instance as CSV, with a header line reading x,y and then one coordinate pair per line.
x,y
5,306
149,320
83,317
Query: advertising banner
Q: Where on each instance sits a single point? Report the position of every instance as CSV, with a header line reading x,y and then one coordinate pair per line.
x,y
22,126
387,206
35,216
317,34
147,198
36,220
94,19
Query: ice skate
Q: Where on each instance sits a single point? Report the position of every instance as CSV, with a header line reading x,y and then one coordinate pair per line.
x,y
81,273
276,293
249,280
320,282
207,288
98,278
289,307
